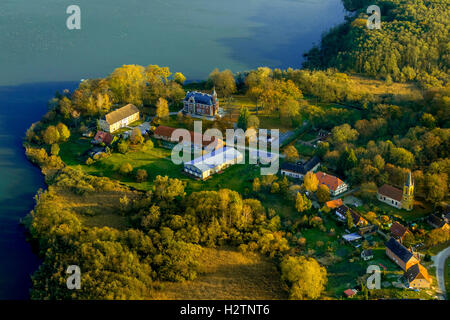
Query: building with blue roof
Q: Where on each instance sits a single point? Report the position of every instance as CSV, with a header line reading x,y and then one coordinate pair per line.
x,y
201,104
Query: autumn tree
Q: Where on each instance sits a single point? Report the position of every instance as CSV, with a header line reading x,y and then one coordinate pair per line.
x,y
162,108
136,136
141,175
291,153
223,81
323,193
311,182
64,132
302,203
305,277
179,78
50,135
126,168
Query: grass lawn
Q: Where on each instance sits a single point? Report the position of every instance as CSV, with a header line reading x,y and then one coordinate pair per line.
x,y
381,208
226,273
304,150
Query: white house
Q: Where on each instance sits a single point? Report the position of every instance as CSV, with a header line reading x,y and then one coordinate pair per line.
x,y
213,162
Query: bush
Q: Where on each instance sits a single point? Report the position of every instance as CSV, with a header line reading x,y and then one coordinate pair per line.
x,y
126,168
122,147
141,175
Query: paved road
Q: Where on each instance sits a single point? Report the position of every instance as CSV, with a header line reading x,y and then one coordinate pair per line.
x,y
439,263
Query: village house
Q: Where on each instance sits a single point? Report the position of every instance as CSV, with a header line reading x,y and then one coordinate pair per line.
x,y
398,231
119,118
300,169
103,137
418,277
438,223
396,197
358,221
201,104
366,231
213,162
400,254
334,184
197,141
367,254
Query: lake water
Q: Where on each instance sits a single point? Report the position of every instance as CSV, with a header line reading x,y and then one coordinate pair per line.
x,y
189,36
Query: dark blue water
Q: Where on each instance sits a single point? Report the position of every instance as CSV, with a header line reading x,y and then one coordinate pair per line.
x,y
19,180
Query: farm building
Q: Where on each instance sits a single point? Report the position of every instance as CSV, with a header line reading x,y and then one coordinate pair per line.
x,y
341,213
400,254
398,231
213,162
103,137
119,118
300,169
418,277
196,140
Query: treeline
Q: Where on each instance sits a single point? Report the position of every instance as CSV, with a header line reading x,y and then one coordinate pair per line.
x,y
163,241
412,43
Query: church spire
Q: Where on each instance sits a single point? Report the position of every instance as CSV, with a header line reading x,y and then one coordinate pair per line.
x,y
409,181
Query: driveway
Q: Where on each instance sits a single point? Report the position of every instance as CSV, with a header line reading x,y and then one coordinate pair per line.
x,y
439,263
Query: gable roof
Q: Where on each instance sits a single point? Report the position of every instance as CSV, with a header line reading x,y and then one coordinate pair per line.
x,y
333,204
121,113
342,210
215,158
399,250
391,192
200,97
367,253
104,137
398,230
436,221
417,271
299,167
205,140
329,180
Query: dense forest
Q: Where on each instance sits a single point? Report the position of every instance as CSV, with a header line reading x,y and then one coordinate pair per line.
x,y
412,44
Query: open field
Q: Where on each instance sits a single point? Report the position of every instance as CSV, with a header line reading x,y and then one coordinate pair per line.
x,y
228,274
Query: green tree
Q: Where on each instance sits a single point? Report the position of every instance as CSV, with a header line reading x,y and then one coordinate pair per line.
x,y
244,114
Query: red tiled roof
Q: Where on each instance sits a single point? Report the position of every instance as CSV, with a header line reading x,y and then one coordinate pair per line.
x,y
330,181
333,204
167,132
349,292
391,192
104,137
